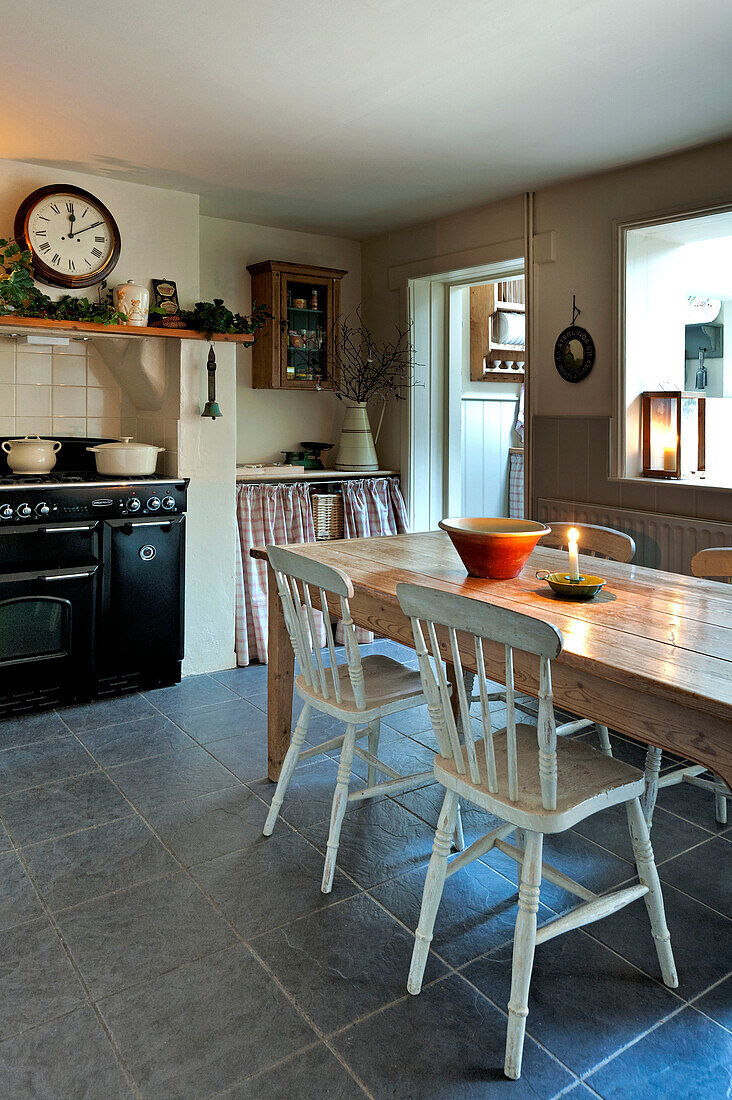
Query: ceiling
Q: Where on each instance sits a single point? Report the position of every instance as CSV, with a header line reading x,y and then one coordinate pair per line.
x,y
357,117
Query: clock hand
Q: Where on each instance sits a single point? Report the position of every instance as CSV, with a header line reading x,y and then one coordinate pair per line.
x,y
72,219
93,226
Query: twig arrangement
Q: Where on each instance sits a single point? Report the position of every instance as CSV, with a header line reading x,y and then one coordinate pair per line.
x,y
367,369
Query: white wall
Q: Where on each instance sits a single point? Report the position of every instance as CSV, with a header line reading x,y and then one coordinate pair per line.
x,y
269,421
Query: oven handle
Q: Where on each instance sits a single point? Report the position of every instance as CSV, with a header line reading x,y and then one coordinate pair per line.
x,y
82,528
127,525
47,577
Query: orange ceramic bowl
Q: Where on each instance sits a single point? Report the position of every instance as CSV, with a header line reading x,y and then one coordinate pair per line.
x,y
496,549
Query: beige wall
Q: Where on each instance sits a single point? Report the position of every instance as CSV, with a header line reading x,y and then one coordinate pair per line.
x,y
582,216
269,421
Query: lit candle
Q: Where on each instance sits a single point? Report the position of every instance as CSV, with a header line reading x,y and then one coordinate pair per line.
x,y
669,451
573,536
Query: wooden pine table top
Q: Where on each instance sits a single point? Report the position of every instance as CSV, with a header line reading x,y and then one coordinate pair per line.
x,y
663,633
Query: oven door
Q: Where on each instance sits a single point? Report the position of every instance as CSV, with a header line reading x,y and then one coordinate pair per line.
x,y
23,547
141,614
46,636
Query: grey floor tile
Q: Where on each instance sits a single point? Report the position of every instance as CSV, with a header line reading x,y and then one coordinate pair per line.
x,y
477,912
18,900
243,680
59,808
342,963
717,1003
669,835
6,843
445,1044
406,756
107,712
379,840
687,1056
37,981
244,754
583,861
412,721
134,740
691,803
700,937
704,872
205,1026
212,824
585,1002
145,930
69,1058
191,693
325,1076
426,802
310,794
30,728
271,882
85,865
45,762
173,777
217,721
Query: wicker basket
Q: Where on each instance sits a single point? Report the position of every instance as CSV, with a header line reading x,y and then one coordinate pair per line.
x,y
328,515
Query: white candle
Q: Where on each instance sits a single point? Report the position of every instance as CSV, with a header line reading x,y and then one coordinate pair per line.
x,y
573,536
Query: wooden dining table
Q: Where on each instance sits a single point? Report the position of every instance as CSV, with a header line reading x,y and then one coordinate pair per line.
x,y
649,657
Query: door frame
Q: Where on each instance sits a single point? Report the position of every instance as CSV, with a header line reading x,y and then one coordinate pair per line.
x,y
431,419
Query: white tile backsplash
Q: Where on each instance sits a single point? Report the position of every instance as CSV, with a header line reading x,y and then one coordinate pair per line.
x,y
32,400
68,370
33,368
70,391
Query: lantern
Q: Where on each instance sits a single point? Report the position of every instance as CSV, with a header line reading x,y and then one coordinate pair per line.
x,y
672,433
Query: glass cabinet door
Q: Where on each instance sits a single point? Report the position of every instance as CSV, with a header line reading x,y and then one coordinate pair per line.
x,y
306,311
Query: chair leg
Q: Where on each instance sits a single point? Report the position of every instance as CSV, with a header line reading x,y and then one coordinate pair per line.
x,y
288,768
720,807
648,875
604,735
373,746
433,886
653,770
524,945
338,808
458,837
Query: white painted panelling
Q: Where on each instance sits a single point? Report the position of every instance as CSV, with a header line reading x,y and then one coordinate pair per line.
x,y
486,438
662,541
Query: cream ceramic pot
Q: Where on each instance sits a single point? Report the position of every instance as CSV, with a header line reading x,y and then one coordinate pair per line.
x,y
125,459
31,455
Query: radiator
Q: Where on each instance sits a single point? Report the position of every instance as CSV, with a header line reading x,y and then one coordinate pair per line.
x,y
662,542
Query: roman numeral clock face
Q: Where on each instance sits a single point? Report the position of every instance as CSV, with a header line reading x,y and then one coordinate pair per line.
x,y
73,238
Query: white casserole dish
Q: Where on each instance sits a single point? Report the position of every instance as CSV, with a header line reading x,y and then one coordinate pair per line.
x,y
125,459
31,455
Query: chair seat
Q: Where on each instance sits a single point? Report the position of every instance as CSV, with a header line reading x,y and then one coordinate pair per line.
x,y
588,781
389,686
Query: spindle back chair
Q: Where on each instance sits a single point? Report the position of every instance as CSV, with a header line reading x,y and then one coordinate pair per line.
x,y
713,564
534,783
359,693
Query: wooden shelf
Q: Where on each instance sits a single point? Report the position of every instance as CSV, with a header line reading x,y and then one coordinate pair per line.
x,y
42,325
282,474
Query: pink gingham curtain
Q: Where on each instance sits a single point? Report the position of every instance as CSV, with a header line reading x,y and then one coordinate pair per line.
x,y
283,514
516,486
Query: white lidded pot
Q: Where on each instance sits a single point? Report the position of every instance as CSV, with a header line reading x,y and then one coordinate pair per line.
x,y
126,459
31,455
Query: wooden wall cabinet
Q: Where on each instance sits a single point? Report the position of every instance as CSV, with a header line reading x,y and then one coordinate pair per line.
x,y
295,350
490,359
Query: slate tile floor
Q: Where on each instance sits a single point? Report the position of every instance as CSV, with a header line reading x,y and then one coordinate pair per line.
x,y
153,944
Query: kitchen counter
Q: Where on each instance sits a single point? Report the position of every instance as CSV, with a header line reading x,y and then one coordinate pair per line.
x,y
282,474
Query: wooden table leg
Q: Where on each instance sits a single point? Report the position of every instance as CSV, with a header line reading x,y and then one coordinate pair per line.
x,y
280,679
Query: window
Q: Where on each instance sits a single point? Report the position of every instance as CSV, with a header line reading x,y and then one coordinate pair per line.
x,y
676,305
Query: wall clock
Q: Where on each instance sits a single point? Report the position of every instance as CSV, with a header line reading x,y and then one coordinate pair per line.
x,y
72,237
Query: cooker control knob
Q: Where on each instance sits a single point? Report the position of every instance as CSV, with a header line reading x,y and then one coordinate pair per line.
x,y
42,509
23,511
168,503
6,512
132,505
153,504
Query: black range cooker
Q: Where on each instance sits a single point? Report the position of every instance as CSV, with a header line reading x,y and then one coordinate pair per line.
x,y
91,582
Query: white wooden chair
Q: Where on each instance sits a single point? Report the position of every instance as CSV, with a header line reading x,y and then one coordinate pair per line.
x,y
598,542
714,563
534,783
359,693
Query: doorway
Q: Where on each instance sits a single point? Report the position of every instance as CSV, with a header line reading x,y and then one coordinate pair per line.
x,y
466,432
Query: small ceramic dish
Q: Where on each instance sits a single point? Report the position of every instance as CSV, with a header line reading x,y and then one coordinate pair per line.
x,y
583,589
